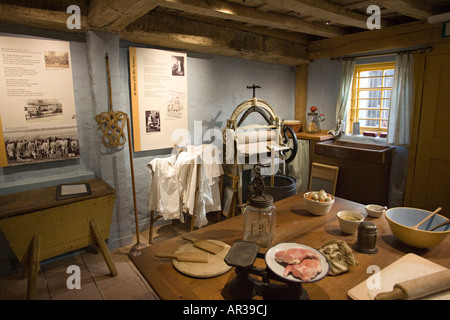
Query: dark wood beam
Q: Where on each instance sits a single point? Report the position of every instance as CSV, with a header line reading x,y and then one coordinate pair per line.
x,y
183,34
118,14
235,12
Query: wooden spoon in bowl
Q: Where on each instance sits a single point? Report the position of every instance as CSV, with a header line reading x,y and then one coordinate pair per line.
x,y
428,217
440,225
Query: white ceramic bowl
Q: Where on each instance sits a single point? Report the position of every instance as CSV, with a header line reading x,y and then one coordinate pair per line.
x,y
402,219
316,207
349,221
375,210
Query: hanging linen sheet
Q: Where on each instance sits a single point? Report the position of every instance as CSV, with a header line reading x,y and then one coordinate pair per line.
x,y
164,192
184,182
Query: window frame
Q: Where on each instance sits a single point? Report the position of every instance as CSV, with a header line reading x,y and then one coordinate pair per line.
x,y
353,114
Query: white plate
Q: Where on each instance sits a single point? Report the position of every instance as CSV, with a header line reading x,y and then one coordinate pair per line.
x,y
278,268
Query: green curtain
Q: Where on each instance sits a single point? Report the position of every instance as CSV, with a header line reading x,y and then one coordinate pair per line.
x,y
348,69
399,129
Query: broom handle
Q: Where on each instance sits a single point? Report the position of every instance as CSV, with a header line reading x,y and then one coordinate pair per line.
x,y
109,82
132,180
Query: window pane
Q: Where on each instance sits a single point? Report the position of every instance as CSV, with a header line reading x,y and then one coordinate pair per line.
x,y
369,94
388,81
386,103
387,93
369,123
384,124
370,82
369,104
371,73
369,114
389,72
385,114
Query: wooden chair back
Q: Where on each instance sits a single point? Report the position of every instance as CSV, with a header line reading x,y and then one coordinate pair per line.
x,y
323,177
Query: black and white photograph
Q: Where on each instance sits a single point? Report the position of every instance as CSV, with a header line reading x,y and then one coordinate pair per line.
x,y
55,59
41,145
43,109
152,121
177,66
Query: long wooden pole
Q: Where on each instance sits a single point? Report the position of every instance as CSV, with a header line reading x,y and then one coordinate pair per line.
x,y
130,149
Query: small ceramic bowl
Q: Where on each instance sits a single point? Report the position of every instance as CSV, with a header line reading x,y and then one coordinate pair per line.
x,y
318,208
349,221
375,210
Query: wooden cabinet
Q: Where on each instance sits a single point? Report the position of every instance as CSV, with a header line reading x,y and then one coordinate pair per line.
x,y
361,181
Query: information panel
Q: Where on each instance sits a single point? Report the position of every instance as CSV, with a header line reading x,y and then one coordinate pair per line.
x,y
159,97
37,104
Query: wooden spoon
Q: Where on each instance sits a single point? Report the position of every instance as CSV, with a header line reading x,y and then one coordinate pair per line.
x,y
428,217
440,225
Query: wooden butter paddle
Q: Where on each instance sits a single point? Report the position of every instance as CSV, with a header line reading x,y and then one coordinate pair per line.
x,y
185,256
206,245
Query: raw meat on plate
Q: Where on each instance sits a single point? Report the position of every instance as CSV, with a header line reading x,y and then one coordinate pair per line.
x,y
294,255
306,270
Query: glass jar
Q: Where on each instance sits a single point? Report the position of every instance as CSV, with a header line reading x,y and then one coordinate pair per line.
x,y
259,220
313,123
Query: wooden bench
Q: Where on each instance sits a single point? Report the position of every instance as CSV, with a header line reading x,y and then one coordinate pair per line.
x,y
39,227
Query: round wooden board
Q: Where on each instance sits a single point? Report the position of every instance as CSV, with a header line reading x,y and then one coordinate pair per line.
x,y
215,266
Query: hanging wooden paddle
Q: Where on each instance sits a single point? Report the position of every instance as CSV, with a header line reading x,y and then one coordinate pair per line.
x,y
112,124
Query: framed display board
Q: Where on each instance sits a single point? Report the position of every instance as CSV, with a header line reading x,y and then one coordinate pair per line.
x,y
158,81
37,110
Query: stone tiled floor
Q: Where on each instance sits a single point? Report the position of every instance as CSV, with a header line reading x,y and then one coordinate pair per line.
x,y
96,282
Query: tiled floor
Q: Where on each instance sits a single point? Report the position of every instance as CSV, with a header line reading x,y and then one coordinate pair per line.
x,y
96,282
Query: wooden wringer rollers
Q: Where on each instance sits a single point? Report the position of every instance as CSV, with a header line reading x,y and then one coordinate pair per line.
x,y
112,124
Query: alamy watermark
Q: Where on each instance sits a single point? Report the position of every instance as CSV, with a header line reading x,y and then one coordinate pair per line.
x,y
74,280
74,21
374,21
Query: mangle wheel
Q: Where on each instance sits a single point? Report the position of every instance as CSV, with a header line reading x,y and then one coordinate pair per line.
x,y
288,134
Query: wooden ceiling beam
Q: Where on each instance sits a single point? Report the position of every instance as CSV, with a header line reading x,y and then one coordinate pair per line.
x,y
116,15
417,9
296,37
323,9
36,17
236,12
183,34
392,38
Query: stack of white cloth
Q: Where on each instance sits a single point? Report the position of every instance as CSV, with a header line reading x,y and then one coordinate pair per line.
x,y
180,183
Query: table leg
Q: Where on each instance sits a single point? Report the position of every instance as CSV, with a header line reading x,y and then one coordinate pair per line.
x,y
33,267
103,248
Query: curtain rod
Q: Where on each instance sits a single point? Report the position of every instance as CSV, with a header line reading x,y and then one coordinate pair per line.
x,y
419,50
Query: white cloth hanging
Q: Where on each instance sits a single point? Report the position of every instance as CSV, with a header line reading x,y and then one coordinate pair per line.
x,y
164,192
184,182
208,198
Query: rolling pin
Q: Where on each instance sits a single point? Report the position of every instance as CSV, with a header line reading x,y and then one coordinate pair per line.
x,y
419,287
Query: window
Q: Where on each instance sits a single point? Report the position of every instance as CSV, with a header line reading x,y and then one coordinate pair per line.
x,y
371,97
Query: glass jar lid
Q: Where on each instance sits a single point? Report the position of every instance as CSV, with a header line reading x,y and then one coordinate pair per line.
x,y
261,201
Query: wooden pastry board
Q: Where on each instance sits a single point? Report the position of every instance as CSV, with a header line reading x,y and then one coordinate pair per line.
x,y
407,267
215,266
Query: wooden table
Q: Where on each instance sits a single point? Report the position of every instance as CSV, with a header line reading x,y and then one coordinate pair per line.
x,y
38,227
294,224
